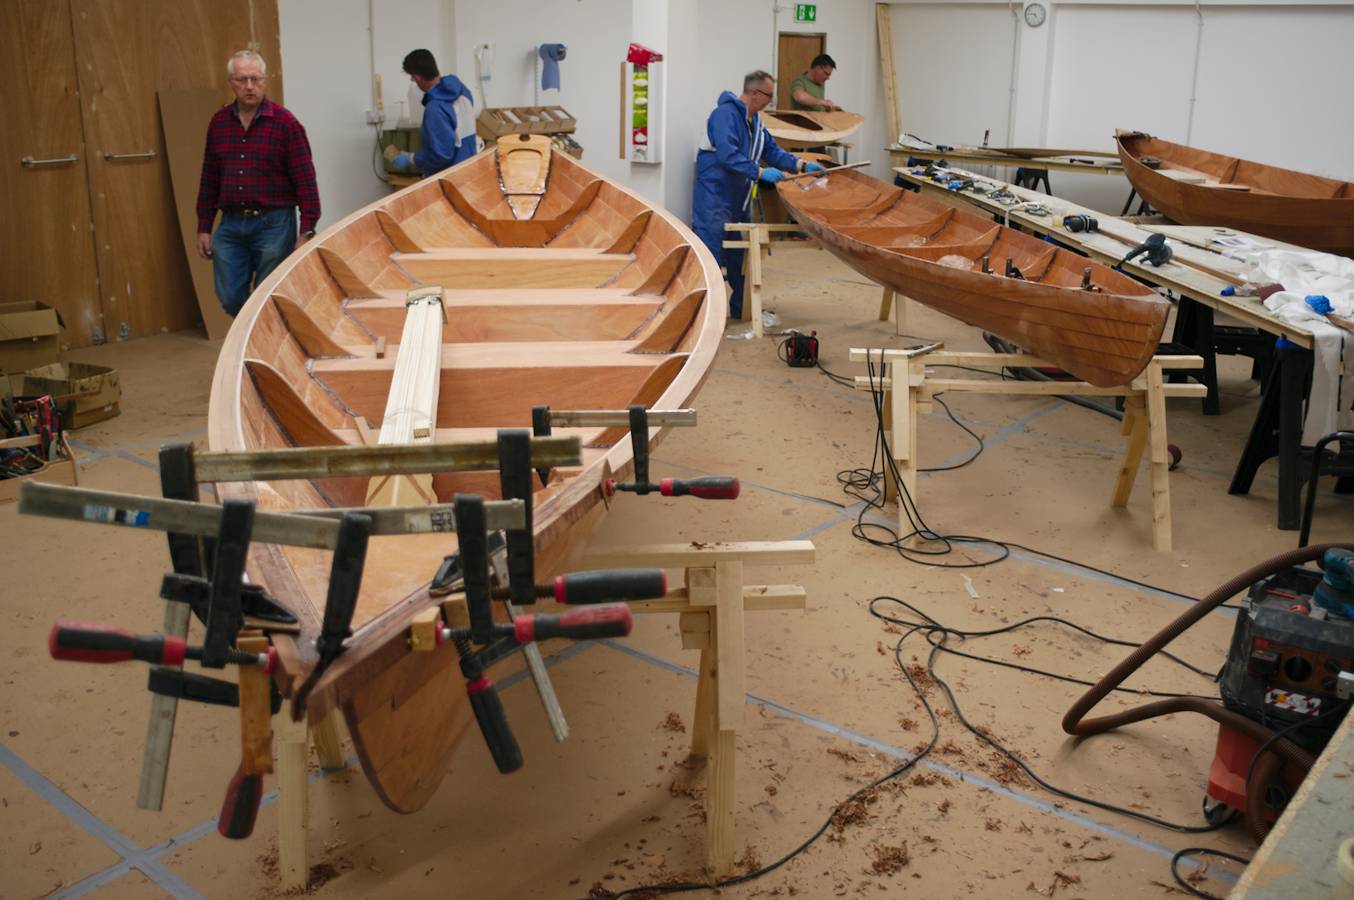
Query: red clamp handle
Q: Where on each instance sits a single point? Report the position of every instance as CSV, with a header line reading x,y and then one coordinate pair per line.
x,y
588,623
85,642
707,487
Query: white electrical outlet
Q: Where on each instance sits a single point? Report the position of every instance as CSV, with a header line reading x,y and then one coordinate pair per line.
x,y
375,116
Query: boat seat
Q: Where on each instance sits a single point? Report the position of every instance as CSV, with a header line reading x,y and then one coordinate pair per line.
x,y
514,267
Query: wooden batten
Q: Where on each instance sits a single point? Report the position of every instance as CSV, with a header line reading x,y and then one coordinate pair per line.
x,y
395,233
646,396
626,241
664,272
313,340
344,276
411,407
293,415
668,327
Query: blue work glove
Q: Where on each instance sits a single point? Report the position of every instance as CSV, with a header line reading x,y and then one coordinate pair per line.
x,y
771,176
814,167
404,162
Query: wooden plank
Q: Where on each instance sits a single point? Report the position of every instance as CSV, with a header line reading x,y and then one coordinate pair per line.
x,y
729,643
719,803
336,462
703,717
697,553
293,807
184,115
605,418
50,255
1161,485
1135,411
328,748
512,267
411,406
256,713
1298,857
756,598
884,27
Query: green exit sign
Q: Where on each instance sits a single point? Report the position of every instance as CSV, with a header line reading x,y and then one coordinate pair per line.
x,y
806,12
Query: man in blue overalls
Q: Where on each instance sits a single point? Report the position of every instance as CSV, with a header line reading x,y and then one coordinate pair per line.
x,y
737,152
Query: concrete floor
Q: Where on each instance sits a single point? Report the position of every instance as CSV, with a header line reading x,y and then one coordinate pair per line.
x,y
618,805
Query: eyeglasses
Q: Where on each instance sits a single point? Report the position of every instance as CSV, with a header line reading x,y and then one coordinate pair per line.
x,y
766,94
249,79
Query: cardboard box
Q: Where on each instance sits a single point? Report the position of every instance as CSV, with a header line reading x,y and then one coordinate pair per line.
x,y
29,335
58,471
91,392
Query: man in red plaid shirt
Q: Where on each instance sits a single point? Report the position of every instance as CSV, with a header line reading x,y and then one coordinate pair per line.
x,y
256,170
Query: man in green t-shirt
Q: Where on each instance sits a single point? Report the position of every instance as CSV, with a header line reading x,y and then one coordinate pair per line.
x,y
806,91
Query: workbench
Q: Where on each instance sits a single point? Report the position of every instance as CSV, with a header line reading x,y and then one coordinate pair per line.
x,y
979,156
1278,425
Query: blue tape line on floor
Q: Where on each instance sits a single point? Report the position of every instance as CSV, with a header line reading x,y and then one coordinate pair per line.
x,y
133,856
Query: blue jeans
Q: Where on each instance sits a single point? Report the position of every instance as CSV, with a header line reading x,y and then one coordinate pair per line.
x,y
245,249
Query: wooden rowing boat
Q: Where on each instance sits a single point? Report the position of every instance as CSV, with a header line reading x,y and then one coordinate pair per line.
x,y
1195,187
1098,324
558,287
796,129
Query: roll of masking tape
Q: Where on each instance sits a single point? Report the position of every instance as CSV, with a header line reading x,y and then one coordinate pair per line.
x,y
1344,860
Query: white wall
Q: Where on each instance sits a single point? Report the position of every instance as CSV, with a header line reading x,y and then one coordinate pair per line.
x,y
1270,84
596,33
327,54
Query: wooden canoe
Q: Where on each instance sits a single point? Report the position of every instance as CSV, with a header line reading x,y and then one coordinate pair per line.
x,y
934,254
1196,187
560,288
795,129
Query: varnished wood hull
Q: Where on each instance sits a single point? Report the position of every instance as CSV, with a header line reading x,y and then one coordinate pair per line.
x,y
1294,207
795,129
933,254
571,292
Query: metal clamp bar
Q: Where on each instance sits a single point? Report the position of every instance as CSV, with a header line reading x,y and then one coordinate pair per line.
x,y
612,418
149,154
29,162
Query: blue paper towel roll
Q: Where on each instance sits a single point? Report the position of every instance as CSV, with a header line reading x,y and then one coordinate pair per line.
x,y
551,54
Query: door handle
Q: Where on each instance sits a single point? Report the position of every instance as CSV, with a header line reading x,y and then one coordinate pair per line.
x,y
110,157
29,162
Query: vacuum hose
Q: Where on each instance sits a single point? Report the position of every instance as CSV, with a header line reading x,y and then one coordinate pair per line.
x,y
1280,752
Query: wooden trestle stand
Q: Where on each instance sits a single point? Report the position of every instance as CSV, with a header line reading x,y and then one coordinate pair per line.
x,y
756,241
710,610
908,391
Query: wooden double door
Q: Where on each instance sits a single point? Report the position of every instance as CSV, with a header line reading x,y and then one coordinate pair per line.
x,y
87,215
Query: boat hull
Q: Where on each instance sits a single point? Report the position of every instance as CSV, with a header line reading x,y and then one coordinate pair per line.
x,y
1105,336
560,288
800,129
1263,200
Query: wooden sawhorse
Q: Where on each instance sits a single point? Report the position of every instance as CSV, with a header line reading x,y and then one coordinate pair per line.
x,y
1144,422
711,609
757,240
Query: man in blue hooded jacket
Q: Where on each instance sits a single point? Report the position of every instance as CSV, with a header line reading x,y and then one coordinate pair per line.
x,y
737,152
445,100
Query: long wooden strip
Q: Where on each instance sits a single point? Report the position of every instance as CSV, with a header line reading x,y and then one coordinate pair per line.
x,y
363,462
308,528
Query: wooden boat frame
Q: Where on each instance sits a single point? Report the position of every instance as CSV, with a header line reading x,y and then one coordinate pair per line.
x,y
289,373
1305,210
933,253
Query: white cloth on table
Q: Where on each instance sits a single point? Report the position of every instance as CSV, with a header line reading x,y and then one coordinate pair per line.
x,y
1330,407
